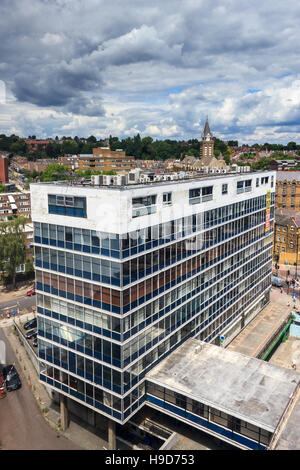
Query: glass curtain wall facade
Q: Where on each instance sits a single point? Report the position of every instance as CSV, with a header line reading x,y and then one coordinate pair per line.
x,y
111,306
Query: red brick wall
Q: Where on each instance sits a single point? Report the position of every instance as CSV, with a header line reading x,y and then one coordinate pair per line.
x,y
4,169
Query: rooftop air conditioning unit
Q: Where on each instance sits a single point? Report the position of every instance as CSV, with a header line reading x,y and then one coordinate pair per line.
x,y
120,180
95,180
134,175
144,179
131,177
158,178
108,180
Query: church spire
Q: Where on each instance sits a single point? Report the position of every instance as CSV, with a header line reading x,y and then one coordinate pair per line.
x,y
206,133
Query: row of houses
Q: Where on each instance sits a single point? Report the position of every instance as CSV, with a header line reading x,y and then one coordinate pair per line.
x,y
287,218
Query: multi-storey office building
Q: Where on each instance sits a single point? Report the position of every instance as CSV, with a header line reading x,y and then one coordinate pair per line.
x,y
125,274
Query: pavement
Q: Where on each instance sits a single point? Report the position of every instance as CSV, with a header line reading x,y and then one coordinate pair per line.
x,y
22,423
74,437
283,271
259,331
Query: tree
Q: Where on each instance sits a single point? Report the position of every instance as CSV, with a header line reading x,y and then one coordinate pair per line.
x,y
262,164
92,139
54,172
70,146
233,143
291,146
13,248
53,150
18,147
221,146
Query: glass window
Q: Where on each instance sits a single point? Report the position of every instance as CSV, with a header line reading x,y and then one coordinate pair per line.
x,y
143,205
167,198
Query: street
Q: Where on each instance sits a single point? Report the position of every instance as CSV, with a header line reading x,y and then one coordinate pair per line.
x,y
25,302
22,426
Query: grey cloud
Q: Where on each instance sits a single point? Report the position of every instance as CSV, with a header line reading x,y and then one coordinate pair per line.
x,y
83,57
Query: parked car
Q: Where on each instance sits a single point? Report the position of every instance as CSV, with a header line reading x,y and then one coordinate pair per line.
x,y
277,281
31,334
30,324
35,342
31,292
11,376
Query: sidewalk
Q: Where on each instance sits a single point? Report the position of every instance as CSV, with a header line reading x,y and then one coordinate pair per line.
x,y
84,437
283,270
252,339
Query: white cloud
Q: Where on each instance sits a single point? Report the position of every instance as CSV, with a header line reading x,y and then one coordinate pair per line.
x,y
51,39
156,68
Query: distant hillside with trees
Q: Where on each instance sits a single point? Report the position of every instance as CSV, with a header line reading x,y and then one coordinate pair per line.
x,y
145,148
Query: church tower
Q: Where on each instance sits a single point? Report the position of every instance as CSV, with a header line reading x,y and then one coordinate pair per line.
x,y
207,144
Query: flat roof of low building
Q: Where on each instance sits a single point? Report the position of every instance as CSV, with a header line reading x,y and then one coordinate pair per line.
x,y
245,387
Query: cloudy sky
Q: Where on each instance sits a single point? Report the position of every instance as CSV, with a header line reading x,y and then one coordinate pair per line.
x,y
159,67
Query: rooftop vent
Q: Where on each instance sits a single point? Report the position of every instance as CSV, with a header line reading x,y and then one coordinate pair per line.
x,y
198,348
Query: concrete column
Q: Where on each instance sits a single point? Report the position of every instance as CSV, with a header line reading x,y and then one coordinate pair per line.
x,y
91,417
111,434
64,414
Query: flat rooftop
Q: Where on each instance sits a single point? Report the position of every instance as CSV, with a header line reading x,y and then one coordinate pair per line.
x,y
245,387
87,183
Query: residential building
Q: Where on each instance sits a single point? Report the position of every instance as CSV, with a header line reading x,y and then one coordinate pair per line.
x,y
125,274
34,144
287,237
15,204
71,161
18,163
288,190
4,170
40,164
104,159
282,165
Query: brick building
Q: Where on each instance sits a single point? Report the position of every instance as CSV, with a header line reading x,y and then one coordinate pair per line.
x,y
286,237
104,159
33,144
288,190
3,169
71,161
207,143
41,164
287,218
